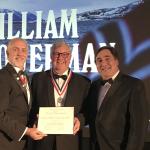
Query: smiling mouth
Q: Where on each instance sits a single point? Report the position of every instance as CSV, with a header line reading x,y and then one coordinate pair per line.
x,y
106,69
60,62
18,59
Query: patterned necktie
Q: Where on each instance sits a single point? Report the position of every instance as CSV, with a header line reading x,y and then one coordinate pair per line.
x,y
24,83
22,78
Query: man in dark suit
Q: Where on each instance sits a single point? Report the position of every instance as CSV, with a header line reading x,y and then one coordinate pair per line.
x,y
60,87
15,99
116,106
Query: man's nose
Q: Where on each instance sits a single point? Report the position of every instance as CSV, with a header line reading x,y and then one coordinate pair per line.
x,y
20,51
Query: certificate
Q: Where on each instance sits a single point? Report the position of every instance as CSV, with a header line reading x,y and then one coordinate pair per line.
x,y
56,120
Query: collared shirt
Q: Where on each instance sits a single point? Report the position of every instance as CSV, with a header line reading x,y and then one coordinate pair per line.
x,y
115,75
27,86
60,83
104,89
28,95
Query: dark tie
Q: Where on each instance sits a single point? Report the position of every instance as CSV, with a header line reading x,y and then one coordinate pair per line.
x,y
103,91
110,81
21,72
56,76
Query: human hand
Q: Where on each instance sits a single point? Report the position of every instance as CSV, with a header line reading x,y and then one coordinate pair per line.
x,y
35,134
76,125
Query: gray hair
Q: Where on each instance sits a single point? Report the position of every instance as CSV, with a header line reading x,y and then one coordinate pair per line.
x,y
13,40
59,44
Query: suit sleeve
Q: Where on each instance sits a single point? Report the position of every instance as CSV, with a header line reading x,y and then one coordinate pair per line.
x,y
90,110
81,115
138,117
9,125
35,108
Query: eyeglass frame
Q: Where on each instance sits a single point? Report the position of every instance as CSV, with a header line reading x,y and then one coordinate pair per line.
x,y
58,54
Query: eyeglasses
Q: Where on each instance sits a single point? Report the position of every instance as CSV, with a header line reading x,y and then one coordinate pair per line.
x,y
64,55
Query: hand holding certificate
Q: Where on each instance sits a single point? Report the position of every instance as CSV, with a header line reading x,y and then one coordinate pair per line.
x,y
56,120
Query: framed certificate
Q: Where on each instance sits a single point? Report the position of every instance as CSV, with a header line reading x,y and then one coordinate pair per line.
x,y
56,120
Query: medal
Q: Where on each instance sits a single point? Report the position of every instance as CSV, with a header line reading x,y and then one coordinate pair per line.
x,y
63,90
59,100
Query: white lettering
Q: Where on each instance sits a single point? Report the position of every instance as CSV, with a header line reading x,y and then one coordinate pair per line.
x,y
2,26
34,56
24,27
89,60
10,27
75,58
68,24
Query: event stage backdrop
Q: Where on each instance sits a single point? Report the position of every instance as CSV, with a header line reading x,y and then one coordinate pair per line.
x,y
85,25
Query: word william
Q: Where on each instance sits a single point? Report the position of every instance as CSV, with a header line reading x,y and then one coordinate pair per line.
x,y
68,24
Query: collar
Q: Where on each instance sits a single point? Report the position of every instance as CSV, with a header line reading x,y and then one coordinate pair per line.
x,y
115,75
17,69
65,73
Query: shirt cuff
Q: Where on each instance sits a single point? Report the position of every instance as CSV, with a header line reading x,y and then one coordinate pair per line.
x,y
23,134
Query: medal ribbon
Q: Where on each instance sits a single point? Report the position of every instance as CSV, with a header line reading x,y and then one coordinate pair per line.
x,y
64,87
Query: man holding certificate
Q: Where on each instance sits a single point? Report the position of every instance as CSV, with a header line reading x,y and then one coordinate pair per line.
x,y
59,95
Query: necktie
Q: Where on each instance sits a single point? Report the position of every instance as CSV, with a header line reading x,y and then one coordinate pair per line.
x,y
21,72
56,76
24,83
103,91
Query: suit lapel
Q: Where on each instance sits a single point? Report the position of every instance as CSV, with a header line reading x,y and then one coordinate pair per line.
x,y
13,73
114,87
94,97
50,88
70,91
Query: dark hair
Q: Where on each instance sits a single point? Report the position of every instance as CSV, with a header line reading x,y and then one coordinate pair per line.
x,y
111,49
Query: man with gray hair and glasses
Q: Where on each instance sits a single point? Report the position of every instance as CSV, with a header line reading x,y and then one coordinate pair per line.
x,y
60,87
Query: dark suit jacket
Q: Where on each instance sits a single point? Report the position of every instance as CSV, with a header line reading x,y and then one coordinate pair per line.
x,y
43,95
14,110
121,121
